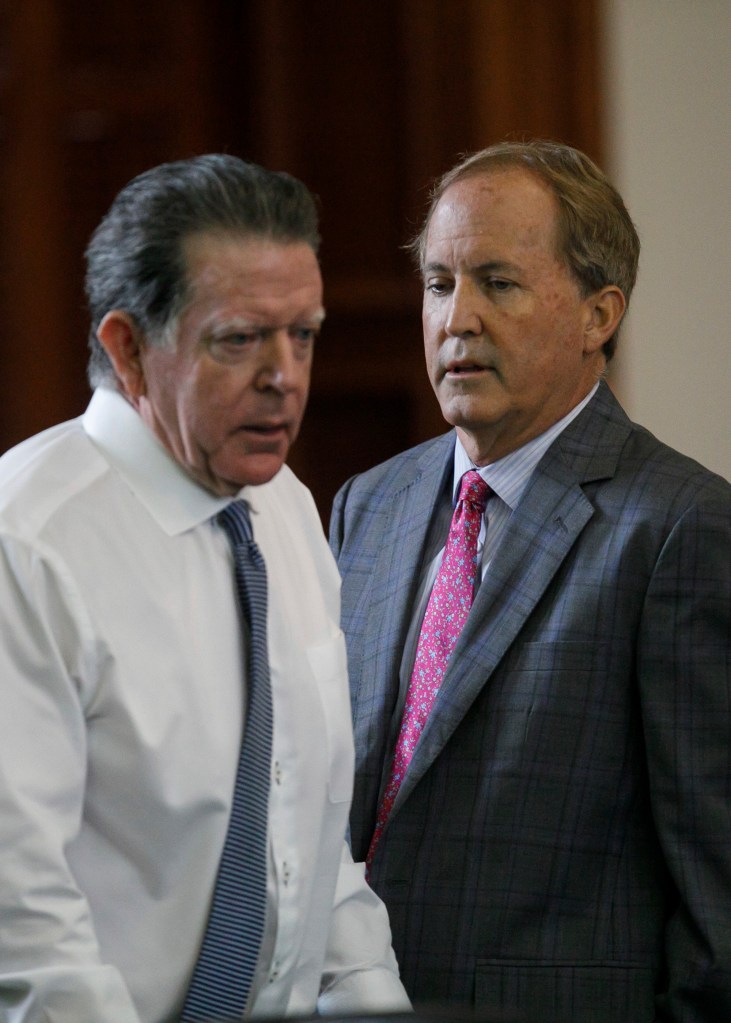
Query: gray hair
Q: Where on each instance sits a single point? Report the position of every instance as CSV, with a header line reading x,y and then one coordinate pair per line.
x,y
597,240
135,257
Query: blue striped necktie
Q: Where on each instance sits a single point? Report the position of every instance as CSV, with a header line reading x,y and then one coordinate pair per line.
x,y
223,974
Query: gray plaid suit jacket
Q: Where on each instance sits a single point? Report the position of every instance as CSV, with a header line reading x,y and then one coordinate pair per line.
x,y
561,845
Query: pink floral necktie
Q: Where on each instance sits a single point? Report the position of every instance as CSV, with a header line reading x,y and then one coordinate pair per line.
x,y
446,613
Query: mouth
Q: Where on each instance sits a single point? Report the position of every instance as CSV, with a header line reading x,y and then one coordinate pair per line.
x,y
465,368
267,431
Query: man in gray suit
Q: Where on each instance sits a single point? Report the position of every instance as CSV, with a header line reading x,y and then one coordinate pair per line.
x,y
557,840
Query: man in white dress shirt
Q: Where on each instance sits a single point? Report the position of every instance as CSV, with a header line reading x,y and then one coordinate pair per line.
x,y
122,666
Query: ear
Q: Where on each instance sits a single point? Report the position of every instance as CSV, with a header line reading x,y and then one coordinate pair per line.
x,y
122,340
604,310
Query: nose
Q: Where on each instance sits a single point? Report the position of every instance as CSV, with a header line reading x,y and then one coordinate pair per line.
x,y
463,315
279,368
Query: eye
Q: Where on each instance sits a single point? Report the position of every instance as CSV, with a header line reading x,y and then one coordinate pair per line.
x,y
304,335
233,346
438,286
240,339
499,284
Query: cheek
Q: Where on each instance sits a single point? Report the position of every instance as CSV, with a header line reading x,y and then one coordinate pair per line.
x,y
205,406
564,318
431,342
557,334
305,374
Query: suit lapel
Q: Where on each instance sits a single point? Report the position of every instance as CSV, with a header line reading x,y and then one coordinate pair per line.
x,y
399,564
542,530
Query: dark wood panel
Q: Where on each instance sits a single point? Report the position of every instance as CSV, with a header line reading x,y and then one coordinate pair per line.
x,y
89,99
348,433
368,103
540,73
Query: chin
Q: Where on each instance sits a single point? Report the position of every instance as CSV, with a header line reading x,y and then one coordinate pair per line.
x,y
469,411
252,471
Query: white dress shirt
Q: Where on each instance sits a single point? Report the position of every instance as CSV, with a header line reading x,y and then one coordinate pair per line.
x,y
121,668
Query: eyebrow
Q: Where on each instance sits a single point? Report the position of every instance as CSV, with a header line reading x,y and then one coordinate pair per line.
x,y
239,323
218,330
493,266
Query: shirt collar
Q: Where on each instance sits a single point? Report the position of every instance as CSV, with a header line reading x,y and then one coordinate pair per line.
x,y
508,477
171,496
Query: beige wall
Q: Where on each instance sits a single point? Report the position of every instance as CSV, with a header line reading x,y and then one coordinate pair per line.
x,y
668,71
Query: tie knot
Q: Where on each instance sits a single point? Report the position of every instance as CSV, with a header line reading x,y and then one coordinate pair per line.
x,y
474,491
236,521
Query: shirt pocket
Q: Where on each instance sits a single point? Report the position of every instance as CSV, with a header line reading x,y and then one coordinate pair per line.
x,y
329,665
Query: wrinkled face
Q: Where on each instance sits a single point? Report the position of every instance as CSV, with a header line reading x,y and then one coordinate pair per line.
x,y
511,346
227,396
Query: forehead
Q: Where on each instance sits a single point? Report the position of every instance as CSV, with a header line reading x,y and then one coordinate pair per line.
x,y
507,207
232,266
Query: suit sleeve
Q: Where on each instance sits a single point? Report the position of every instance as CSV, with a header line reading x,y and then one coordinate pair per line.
x,y
685,689
51,967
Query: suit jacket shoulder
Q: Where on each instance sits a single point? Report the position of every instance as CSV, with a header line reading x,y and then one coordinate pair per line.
x,y
603,444
371,492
